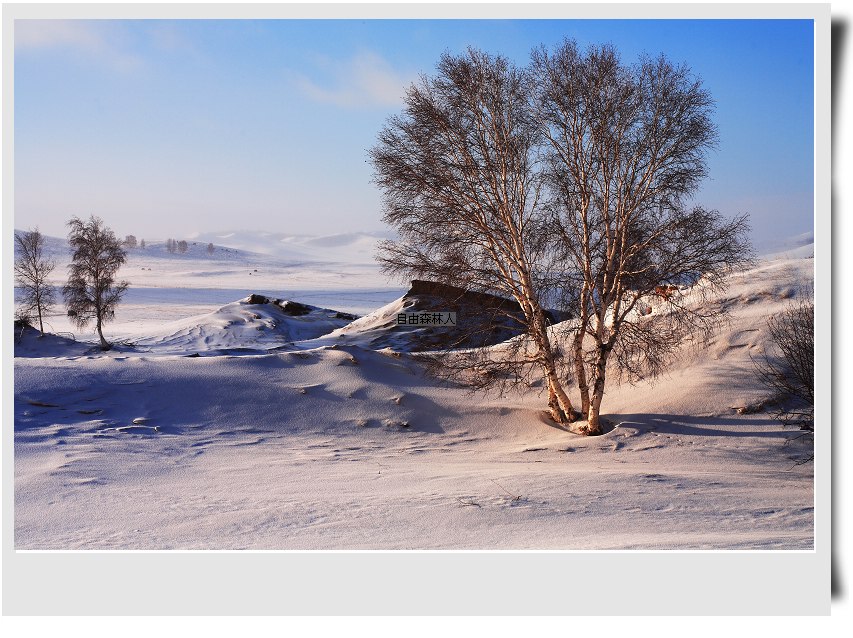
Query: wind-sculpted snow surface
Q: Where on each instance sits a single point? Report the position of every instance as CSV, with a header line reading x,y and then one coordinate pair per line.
x,y
310,430
254,323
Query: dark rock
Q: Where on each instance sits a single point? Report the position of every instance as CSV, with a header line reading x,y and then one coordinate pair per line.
x,y
294,308
460,297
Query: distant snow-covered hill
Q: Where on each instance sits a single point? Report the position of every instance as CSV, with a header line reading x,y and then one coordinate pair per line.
x,y
245,262
355,247
340,247
801,245
57,247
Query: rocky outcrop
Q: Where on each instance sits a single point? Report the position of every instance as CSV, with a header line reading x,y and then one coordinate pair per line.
x,y
294,308
471,300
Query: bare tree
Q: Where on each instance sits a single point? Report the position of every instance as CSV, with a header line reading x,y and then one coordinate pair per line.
x,y
171,246
626,146
788,369
130,241
210,248
91,291
182,246
142,244
458,171
32,269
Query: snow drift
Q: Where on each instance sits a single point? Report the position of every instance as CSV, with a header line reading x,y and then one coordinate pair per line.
x,y
254,323
301,429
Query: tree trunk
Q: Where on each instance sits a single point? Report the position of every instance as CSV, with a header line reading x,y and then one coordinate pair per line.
x,y
593,422
580,366
580,371
105,345
41,325
559,402
562,410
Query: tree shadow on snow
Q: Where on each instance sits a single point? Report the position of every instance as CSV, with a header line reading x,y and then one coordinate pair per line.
x,y
701,425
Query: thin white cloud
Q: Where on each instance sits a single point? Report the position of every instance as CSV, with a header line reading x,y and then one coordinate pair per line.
x,y
41,34
97,39
365,80
171,37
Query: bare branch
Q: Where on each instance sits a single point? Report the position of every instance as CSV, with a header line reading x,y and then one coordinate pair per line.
x,y
625,146
460,181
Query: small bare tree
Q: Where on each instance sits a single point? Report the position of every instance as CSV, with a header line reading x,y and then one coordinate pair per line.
x,y
210,248
91,291
130,241
458,172
626,145
789,372
182,246
142,244
32,268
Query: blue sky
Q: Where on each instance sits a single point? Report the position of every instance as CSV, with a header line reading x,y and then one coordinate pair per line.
x,y
166,128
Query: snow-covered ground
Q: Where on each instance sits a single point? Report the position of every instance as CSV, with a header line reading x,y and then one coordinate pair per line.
x,y
291,431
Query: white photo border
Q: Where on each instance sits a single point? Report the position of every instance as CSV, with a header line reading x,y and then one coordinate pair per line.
x,y
442,582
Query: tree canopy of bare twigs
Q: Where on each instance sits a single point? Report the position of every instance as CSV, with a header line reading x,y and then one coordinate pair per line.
x,y
625,147
568,182
91,291
32,268
460,182
788,369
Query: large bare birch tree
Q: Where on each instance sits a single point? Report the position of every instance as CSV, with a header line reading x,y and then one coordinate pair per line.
x,y
626,147
461,185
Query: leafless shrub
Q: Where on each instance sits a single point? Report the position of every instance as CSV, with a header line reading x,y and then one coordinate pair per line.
x,y
788,370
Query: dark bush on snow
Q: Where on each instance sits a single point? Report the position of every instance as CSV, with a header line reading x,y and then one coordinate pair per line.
x,y
789,370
